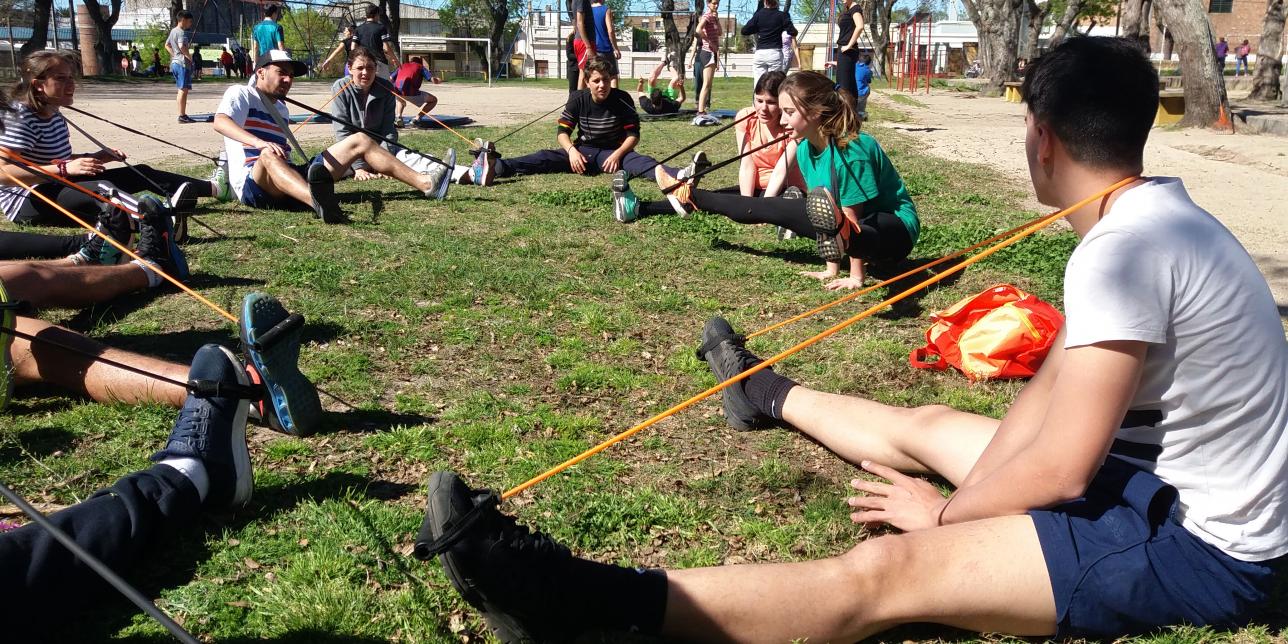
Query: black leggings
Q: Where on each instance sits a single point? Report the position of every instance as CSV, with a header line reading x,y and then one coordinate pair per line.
x,y
17,245
882,235
845,62
36,212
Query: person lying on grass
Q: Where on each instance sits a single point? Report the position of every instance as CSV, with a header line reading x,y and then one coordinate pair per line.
x,y
608,129
667,99
259,166
367,101
1139,480
876,219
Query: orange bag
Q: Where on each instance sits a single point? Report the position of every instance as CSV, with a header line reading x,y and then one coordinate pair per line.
x,y
1000,333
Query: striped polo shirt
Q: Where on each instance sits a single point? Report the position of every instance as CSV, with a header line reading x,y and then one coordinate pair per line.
x,y
242,104
40,140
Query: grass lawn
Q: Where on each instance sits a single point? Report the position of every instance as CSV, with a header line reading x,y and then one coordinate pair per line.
x,y
498,333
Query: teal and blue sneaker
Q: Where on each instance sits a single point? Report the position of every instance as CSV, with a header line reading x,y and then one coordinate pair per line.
x,y
270,337
626,205
156,239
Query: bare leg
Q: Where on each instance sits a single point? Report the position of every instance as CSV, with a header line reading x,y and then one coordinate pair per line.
x,y
704,100
43,262
40,362
52,286
429,102
340,156
984,576
182,98
278,179
933,438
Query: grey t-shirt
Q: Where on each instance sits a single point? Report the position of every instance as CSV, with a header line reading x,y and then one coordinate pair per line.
x,y
177,40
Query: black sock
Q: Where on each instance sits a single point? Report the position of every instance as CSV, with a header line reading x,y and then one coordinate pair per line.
x,y
619,599
767,391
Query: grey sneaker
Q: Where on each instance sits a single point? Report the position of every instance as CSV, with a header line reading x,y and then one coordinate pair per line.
x,y
625,204
725,354
792,192
440,176
826,219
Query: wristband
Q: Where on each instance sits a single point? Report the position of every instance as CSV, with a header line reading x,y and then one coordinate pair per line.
x,y
62,169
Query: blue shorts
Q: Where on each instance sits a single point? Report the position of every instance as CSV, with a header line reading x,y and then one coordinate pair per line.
x,y
1120,563
182,75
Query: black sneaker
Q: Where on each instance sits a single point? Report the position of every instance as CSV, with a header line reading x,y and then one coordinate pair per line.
x,y
724,352
509,574
114,223
184,118
322,189
156,240
213,430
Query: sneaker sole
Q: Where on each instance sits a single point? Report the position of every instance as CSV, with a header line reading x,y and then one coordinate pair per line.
x,y
294,398
9,319
245,486
322,193
822,216
440,192
440,504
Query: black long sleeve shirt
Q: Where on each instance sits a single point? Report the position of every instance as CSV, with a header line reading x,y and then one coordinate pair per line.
x,y
769,25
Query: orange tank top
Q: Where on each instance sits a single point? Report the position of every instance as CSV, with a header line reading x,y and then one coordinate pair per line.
x,y
756,134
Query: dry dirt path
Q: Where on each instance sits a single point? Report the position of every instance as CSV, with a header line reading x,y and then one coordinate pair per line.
x,y
1242,179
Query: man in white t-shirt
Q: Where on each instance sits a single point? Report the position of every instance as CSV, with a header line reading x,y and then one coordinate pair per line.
x,y
259,168
1140,480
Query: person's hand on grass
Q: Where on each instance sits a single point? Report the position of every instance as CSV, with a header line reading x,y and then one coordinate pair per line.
x,y
832,271
361,174
576,160
906,502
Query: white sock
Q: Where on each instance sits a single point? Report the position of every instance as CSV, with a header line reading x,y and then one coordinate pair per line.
x,y
460,171
154,280
195,470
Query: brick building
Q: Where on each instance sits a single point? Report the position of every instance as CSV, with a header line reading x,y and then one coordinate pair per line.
x,y
1236,20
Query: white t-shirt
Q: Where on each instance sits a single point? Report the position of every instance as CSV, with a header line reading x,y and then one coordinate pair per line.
x,y
1210,412
242,104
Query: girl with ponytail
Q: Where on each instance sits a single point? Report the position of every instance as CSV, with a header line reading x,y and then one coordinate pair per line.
x,y
857,206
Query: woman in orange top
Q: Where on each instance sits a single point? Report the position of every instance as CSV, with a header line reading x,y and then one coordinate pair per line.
x,y
763,125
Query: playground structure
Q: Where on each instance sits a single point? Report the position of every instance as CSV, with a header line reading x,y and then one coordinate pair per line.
x,y
915,53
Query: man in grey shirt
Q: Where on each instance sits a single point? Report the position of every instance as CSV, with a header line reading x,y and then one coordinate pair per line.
x,y
178,43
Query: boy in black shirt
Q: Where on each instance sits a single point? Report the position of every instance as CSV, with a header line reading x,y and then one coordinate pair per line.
x,y
608,131
373,35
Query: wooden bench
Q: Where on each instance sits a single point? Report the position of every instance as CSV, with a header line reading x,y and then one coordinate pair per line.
x,y
1011,92
1171,107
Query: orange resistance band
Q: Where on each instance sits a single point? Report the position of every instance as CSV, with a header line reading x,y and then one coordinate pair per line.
x,y
214,307
328,102
1029,230
435,119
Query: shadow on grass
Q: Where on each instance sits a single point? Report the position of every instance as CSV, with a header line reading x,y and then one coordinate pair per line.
x,y
795,256
172,560
363,421
124,305
38,442
910,307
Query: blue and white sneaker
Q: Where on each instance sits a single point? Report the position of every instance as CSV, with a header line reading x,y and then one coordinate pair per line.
x,y
270,337
626,205
212,429
483,170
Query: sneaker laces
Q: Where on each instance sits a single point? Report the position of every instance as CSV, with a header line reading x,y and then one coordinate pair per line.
x,y
191,430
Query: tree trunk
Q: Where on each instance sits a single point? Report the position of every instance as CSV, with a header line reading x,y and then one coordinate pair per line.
x,y
1206,103
1265,82
1065,23
1037,18
997,23
877,21
104,46
500,16
175,7
675,43
1134,24
39,28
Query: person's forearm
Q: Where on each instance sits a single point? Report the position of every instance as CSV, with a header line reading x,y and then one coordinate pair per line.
x,y
1030,481
746,177
565,141
24,175
227,127
626,146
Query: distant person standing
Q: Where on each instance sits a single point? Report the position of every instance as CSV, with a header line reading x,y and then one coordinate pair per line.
x,y
1241,58
196,63
791,53
346,45
226,61
849,26
373,35
769,25
863,85
268,33
706,57
605,37
1222,49
177,43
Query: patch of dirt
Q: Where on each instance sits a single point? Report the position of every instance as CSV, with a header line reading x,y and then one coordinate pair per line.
x,y
1242,179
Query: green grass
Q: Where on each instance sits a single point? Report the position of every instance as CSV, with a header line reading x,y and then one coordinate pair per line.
x,y
497,334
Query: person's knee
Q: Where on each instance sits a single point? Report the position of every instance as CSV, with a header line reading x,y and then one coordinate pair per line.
x,y
929,415
869,570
